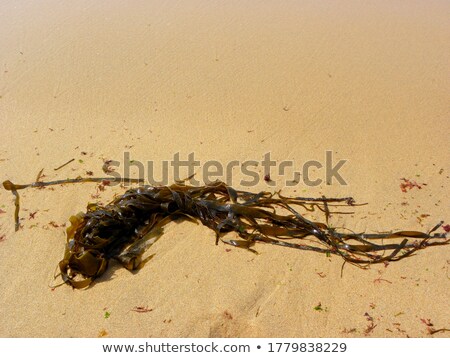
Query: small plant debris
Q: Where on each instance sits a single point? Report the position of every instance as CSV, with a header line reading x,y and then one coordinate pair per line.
x,y
370,326
349,330
106,167
430,326
227,315
379,280
407,185
63,165
320,308
102,333
141,309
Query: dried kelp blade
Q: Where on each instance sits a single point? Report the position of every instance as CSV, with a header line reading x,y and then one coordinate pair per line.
x,y
132,222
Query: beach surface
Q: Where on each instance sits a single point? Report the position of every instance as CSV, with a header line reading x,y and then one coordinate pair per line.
x,y
368,82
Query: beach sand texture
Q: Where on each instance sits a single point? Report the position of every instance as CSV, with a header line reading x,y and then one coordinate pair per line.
x,y
368,81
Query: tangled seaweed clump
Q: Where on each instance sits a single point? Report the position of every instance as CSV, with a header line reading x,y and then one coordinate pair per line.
x,y
132,222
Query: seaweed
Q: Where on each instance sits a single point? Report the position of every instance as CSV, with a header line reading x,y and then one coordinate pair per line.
x,y
8,185
126,227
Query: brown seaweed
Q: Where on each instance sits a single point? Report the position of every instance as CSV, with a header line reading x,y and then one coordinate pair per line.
x,y
126,227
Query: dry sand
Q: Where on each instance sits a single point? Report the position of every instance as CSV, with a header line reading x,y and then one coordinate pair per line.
x,y
369,81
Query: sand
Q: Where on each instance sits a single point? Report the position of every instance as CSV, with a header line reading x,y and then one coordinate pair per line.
x,y
368,81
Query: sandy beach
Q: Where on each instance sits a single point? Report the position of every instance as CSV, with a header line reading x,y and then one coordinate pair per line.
x,y
367,81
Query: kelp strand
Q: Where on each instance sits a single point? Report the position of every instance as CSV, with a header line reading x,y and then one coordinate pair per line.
x,y
126,227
